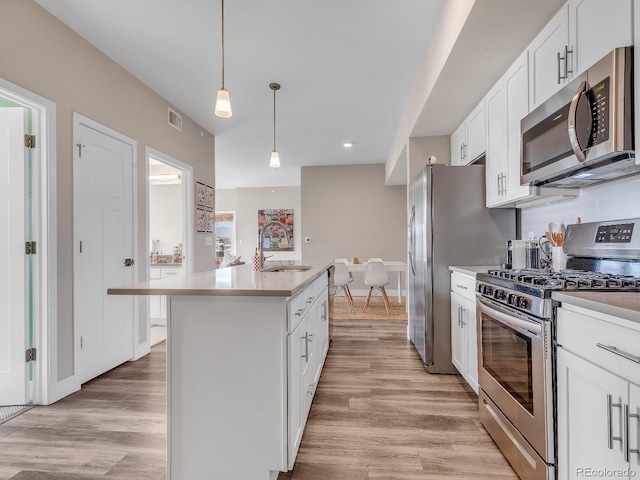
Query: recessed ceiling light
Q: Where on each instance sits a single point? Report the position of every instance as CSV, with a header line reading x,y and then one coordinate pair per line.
x,y
347,145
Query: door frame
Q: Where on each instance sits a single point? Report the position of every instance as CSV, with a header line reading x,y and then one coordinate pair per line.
x,y
45,387
188,215
81,120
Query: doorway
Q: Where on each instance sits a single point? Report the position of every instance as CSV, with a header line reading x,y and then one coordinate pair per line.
x,y
27,193
169,230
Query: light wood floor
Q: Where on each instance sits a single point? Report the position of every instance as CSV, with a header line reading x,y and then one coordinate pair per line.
x,y
377,415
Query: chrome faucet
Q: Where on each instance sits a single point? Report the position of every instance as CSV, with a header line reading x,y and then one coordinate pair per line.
x,y
261,239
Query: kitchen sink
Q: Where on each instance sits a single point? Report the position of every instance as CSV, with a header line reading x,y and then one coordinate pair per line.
x,y
288,268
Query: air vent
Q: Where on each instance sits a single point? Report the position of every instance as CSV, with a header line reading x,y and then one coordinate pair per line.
x,y
175,119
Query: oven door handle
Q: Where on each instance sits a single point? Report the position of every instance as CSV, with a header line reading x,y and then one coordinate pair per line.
x,y
509,320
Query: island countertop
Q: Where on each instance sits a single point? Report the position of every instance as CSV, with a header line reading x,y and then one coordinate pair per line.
x,y
241,280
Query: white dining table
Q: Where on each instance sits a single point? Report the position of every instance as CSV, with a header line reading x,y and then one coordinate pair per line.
x,y
389,266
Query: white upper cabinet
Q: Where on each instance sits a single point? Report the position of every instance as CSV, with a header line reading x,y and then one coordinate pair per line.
x,y
548,53
458,140
506,104
596,28
468,141
580,34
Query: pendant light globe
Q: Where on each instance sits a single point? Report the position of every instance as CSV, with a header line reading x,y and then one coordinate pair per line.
x,y
223,104
275,160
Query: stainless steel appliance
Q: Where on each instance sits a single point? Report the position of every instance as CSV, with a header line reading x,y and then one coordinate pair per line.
x,y
517,343
584,134
448,225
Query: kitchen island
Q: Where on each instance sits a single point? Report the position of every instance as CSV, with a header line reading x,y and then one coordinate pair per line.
x,y
244,354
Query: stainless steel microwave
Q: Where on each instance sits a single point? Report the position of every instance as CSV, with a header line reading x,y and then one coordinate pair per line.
x,y
584,134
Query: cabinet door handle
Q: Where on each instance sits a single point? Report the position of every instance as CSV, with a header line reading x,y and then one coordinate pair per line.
x,y
299,312
306,347
324,311
461,286
610,406
310,300
499,189
461,151
566,61
558,65
628,416
617,351
310,389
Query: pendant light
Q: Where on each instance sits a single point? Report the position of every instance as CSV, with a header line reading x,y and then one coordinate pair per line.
x,y
275,158
223,102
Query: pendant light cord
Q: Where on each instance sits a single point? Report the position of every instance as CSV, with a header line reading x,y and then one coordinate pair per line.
x,y
274,119
222,43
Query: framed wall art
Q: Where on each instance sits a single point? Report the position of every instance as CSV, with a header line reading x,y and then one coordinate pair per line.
x,y
200,194
278,229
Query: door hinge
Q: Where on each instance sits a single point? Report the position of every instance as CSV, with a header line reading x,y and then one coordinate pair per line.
x,y
30,248
30,141
31,355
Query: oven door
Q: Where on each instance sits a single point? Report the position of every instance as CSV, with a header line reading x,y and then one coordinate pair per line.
x,y
515,371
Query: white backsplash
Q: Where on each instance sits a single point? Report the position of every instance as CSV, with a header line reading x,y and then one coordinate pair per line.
x,y
609,201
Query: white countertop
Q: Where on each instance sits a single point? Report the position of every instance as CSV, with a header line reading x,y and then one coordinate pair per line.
x,y
618,304
231,281
472,270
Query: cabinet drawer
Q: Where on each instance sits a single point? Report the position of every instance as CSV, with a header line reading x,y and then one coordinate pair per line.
x,y
299,304
463,285
604,340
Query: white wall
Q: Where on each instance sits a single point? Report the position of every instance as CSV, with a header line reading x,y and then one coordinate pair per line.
x,y
608,201
246,202
165,216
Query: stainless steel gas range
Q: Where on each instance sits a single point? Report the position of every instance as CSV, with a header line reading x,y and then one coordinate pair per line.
x,y
516,332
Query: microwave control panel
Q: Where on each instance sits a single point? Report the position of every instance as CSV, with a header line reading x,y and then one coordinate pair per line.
x,y
599,100
620,233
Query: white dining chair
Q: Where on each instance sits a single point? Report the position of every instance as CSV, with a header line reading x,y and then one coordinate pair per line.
x,y
375,277
341,280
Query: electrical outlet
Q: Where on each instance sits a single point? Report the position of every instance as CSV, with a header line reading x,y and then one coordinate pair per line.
x,y
208,241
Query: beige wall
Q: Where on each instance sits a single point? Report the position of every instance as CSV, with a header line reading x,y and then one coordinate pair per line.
x,y
421,148
42,55
349,212
246,202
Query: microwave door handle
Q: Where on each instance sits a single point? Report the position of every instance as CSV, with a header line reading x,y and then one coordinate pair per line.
x,y
573,134
510,321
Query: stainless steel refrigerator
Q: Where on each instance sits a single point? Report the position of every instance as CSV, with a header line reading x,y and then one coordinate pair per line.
x,y
448,225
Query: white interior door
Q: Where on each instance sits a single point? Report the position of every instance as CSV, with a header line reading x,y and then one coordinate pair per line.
x,y
13,281
103,233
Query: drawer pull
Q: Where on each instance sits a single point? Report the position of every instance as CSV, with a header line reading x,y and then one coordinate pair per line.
x,y
299,312
462,287
617,351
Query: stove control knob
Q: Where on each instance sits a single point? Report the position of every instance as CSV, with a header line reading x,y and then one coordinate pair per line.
x,y
522,302
499,295
512,299
488,290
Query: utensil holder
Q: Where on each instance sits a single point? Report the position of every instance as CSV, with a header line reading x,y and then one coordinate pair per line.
x,y
558,259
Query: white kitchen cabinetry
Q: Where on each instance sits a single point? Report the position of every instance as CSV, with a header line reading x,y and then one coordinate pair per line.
x,y
308,344
468,141
598,394
506,104
548,52
464,336
596,28
242,368
580,34
158,303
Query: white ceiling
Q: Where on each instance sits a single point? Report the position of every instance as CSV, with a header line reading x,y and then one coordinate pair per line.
x,y
346,67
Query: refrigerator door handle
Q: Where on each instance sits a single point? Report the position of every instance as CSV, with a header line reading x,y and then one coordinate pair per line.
x,y
412,240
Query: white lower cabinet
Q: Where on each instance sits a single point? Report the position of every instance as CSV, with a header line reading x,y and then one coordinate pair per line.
x,y
464,335
308,344
598,396
158,303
